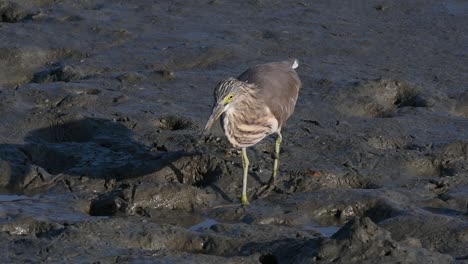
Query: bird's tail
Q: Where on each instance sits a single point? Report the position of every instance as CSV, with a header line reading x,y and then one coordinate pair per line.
x,y
295,63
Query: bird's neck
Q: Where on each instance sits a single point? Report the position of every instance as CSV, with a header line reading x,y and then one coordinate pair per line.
x,y
248,98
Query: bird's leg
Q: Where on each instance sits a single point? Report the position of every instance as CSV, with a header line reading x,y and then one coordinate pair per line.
x,y
265,190
245,165
278,141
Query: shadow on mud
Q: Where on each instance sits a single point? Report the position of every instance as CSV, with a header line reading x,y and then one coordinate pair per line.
x,y
96,149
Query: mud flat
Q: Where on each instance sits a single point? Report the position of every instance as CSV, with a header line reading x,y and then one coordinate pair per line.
x,y
102,105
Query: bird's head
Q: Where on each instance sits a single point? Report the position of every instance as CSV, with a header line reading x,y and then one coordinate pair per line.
x,y
226,94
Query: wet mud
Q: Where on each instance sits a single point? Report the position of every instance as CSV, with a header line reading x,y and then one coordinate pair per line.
x,y
103,103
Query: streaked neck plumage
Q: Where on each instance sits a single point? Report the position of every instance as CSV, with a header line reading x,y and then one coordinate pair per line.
x,y
248,120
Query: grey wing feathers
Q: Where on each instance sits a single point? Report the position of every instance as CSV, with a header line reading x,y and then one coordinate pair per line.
x,y
278,85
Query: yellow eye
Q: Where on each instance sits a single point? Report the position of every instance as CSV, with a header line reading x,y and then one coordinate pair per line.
x,y
228,98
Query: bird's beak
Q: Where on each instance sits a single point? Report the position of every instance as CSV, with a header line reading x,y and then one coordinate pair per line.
x,y
217,111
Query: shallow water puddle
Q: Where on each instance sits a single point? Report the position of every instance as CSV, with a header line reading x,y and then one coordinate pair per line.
x,y
326,231
207,223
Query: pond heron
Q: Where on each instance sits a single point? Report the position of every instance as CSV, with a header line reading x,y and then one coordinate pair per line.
x,y
255,105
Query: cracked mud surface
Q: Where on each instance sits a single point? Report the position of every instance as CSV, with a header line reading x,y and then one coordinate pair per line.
x,y
103,102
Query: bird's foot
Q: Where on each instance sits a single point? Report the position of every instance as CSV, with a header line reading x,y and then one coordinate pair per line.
x,y
244,200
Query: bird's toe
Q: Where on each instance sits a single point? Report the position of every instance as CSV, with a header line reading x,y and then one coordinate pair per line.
x,y
265,190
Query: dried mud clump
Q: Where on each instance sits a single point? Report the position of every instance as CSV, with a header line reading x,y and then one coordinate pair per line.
x,y
188,168
108,204
11,12
439,232
146,199
131,77
309,180
58,74
359,241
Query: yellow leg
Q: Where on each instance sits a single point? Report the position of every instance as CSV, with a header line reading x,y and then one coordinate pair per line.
x,y
265,190
278,141
245,165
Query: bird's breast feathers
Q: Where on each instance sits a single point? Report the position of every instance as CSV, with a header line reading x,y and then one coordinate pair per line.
x,y
243,131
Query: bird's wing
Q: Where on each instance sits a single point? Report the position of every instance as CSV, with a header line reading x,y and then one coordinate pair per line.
x,y
277,84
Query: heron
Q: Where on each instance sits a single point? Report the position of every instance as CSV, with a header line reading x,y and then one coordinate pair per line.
x,y
254,105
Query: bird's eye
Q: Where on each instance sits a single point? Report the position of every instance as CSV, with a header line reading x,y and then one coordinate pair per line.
x,y
228,98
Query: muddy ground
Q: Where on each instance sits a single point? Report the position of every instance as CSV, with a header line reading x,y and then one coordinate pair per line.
x,y
102,104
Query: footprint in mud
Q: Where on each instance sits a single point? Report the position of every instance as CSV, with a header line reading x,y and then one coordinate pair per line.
x,y
381,98
424,166
175,122
197,170
461,105
453,158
